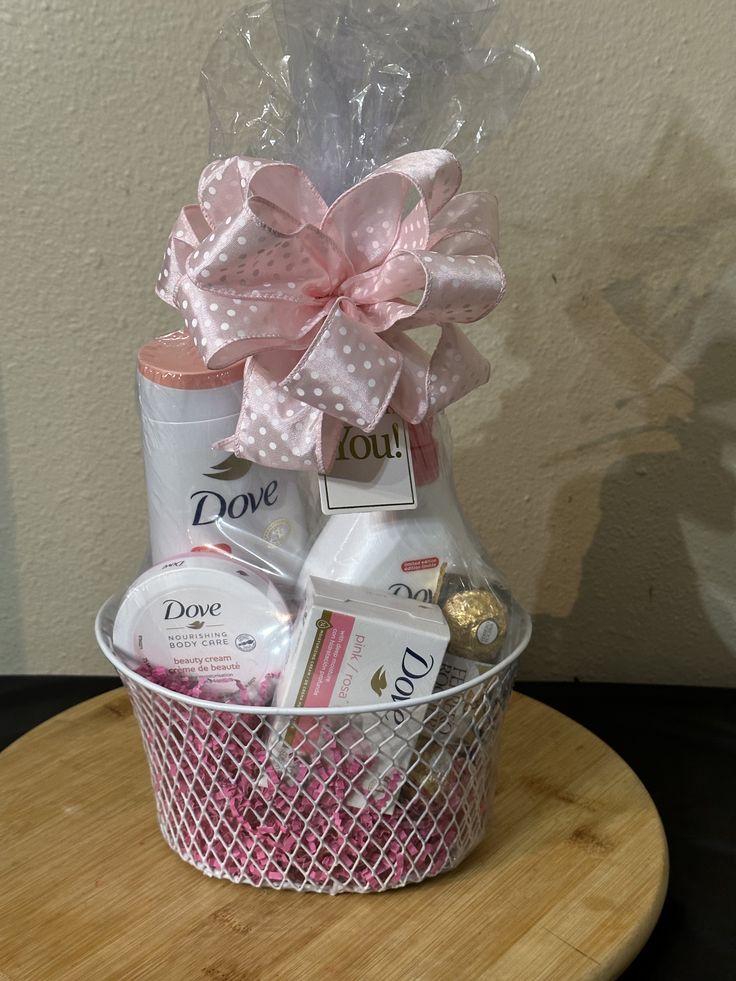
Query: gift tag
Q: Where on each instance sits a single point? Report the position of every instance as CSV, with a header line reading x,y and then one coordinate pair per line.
x,y
372,471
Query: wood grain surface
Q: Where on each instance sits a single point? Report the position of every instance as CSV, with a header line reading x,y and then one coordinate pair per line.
x,y
567,885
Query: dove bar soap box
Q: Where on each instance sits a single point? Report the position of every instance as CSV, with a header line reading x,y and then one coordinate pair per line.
x,y
355,647
360,647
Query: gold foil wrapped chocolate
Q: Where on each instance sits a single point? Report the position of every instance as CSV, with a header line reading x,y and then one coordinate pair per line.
x,y
429,771
477,620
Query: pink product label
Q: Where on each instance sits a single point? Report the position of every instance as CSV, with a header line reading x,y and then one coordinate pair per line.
x,y
330,661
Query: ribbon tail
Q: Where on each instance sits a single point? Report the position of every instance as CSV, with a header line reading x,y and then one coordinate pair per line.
x,y
410,399
276,430
326,450
455,368
429,384
233,443
348,371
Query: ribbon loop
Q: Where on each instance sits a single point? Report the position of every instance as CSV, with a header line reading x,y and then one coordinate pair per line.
x,y
318,299
348,372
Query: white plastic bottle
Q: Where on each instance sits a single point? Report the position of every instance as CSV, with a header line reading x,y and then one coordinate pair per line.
x,y
200,498
400,551
430,554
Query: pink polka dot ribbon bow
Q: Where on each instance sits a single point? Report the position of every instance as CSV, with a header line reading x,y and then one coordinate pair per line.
x,y
319,299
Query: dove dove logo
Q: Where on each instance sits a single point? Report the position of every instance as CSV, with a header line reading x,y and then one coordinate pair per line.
x,y
422,595
231,468
212,506
175,610
414,667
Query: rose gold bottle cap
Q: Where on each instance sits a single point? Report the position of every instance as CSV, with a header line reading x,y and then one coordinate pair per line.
x,y
173,361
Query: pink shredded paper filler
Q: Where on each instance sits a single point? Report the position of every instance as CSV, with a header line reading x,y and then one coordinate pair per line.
x,y
238,816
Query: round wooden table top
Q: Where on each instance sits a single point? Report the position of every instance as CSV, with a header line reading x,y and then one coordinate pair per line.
x,y
567,885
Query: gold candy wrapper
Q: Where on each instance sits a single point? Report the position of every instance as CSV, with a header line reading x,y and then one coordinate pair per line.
x,y
429,771
477,620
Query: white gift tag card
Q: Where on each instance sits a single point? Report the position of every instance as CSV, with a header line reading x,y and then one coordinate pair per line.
x,y
372,471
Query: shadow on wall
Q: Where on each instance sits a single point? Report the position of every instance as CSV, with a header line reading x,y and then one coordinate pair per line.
x,y
12,651
657,585
639,578
642,608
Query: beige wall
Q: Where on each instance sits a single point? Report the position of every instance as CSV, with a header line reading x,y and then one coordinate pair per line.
x,y
600,462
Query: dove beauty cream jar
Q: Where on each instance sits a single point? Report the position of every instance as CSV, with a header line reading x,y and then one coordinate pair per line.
x,y
206,617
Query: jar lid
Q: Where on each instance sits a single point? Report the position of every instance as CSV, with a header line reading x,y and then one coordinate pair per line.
x,y
173,361
205,616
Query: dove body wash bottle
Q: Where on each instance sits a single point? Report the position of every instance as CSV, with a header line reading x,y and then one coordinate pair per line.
x,y
429,554
200,498
401,552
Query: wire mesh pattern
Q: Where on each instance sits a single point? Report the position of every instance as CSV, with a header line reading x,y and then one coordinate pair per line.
x,y
348,803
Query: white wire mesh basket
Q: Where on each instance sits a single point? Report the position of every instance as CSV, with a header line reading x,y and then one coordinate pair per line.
x,y
330,801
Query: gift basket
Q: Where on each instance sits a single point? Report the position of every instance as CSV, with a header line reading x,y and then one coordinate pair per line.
x,y
319,652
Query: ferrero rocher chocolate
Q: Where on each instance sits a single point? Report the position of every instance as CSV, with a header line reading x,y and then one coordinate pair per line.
x,y
429,771
423,780
477,621
449,583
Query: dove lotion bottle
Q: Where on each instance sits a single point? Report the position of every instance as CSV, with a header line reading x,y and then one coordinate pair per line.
x,y
200,498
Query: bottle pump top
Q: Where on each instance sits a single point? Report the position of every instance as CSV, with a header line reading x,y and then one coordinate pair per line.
x,y
424,453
